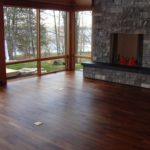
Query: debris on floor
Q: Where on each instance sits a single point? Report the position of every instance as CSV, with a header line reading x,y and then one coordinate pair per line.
x,y
38,123
59,89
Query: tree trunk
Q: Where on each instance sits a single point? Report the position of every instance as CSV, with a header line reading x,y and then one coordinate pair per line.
x,y
8,32
56,33
31,33
77,39
14,20
64,35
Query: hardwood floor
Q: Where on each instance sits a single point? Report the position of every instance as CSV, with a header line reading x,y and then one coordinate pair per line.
x,y
78,114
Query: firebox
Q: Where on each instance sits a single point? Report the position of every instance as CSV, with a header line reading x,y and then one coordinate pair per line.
x,y
126,49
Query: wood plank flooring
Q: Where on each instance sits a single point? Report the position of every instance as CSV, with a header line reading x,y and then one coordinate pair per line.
x,y
78,114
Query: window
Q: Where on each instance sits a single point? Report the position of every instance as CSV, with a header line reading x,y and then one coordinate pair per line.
x,y
83,37
20,33
21,69
21,36
52,33
25,28
52,65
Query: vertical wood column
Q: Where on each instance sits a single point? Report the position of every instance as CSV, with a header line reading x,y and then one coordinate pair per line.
x,y
3,80
71,40
38,44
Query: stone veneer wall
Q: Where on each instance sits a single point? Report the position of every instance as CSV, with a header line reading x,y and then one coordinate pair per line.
x,y
129,78
119,16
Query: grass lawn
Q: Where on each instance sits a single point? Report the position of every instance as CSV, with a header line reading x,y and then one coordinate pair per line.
x,y
78,66
22,65
45,65
48,66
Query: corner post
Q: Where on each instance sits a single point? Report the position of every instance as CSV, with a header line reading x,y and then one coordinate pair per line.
x,y
70,40
3,79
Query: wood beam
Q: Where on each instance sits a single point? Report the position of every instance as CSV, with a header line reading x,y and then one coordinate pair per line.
x,y
58,2
36,4
83,2
38,43
3,79
55,5
83,5
71,40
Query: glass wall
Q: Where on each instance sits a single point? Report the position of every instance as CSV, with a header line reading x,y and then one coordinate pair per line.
x,y
21,69
25,26
53,28
21,36
52,65
83,37
20,33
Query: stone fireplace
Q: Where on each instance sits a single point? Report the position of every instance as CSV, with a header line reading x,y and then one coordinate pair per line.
x,y
126,49
121,42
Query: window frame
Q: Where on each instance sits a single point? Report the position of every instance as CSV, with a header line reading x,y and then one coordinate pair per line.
x,y
38,58
81,56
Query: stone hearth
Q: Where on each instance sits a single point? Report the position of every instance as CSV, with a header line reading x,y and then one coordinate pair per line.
x,y
119,16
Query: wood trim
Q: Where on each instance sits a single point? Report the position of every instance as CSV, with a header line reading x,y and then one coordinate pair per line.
x,y
92,3
3,80
83,8
48,5
53,72
36,5
38,44
22,61
71,40
78,56
52,58
36,59
68,40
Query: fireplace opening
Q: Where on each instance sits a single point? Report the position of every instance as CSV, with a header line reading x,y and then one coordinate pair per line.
x,y
127,49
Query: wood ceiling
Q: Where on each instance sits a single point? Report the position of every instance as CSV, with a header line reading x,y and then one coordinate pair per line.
x,y
59,2
66,4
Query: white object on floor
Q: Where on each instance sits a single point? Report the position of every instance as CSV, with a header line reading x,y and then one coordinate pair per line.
x,y
59,89
38,123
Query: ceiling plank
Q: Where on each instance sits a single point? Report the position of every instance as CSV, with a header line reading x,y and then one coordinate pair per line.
x,y
37,4
56,4
2,49
83,2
